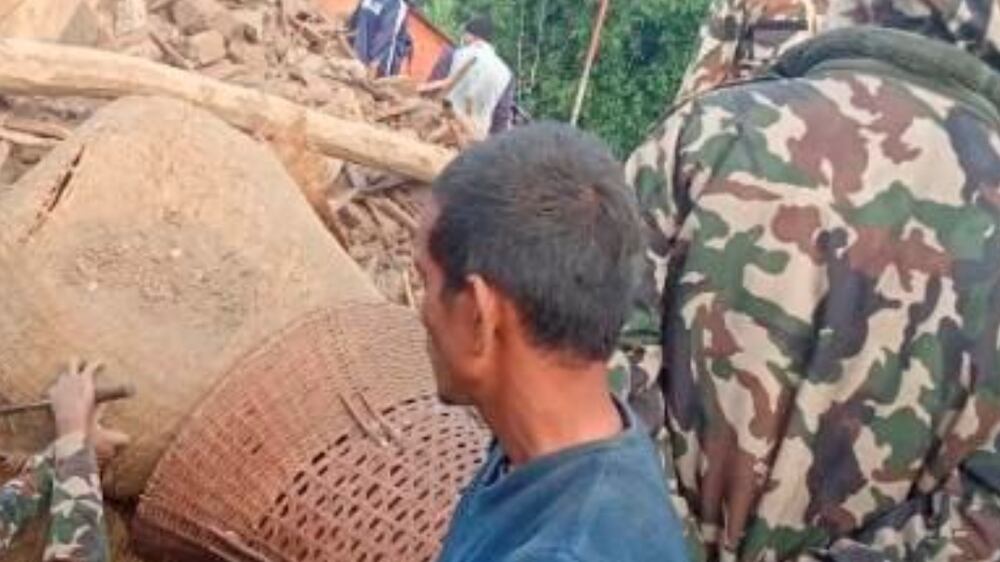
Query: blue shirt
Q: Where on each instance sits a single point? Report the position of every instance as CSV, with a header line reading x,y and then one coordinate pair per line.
x,y
605,500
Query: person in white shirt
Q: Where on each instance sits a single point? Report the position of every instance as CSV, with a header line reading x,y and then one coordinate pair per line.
x,y
485,88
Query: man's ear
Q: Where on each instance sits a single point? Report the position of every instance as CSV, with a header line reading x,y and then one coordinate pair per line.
x,y
485,307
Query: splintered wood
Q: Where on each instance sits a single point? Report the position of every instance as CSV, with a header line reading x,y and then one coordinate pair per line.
x,y
282,48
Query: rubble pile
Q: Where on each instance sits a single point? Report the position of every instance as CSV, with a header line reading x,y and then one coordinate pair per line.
x,y
286,48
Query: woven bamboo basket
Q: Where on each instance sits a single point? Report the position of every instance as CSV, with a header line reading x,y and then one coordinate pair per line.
x,y
166,243
327,444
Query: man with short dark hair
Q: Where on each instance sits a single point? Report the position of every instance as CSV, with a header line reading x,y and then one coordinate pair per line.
x,y
528,252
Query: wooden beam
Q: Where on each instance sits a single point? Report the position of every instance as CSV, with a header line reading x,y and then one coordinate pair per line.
x,y
34,68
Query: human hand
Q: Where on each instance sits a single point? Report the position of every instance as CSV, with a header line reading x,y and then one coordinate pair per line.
x,y
107,442
72,398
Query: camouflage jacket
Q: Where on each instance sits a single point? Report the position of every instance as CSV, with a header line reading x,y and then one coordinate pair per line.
x,y
818,335
64,480
740,39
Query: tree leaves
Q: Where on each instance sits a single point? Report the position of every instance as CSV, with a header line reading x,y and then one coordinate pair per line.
x,y
645,48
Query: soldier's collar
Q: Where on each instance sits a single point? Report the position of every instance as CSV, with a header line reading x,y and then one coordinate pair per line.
x,y
908,52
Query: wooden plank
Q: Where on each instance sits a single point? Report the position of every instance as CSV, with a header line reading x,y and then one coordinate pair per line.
x,y
36,68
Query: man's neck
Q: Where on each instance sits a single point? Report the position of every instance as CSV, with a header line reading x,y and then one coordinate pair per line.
x,y
545,408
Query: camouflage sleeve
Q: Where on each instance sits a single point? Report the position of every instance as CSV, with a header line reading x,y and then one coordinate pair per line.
x,y
636,365
76,530
663,192
22,498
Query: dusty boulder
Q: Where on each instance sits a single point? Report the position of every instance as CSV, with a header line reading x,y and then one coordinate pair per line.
x,y
206,47
194,16
67,21
166,243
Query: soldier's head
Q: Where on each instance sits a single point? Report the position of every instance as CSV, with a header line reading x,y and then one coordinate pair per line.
x,y
528,249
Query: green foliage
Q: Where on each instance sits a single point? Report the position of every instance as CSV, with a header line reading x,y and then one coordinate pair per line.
x,y
645,47
444,13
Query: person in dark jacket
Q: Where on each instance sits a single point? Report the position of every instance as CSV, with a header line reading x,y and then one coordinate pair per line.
x,y
381,38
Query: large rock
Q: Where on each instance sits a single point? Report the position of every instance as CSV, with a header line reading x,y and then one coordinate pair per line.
x,y
167,244
131,16
195,16
206,47
76,22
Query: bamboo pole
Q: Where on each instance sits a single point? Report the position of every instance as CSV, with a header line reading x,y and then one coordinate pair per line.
x,y
595,43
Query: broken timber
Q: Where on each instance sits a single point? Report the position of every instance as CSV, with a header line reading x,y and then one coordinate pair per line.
x,y
33,68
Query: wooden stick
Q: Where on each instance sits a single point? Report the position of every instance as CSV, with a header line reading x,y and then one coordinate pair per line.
x,y
4,152
369,432
396,110
595,43
346,46
394,434
337,67
311,35
391,208
25,139
380,94
283,16
104,394
36,127
411,301
440,133
35,68
171,54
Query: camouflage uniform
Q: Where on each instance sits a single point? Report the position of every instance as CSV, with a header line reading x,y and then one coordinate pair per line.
x,y
819,331
740,38
63,479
